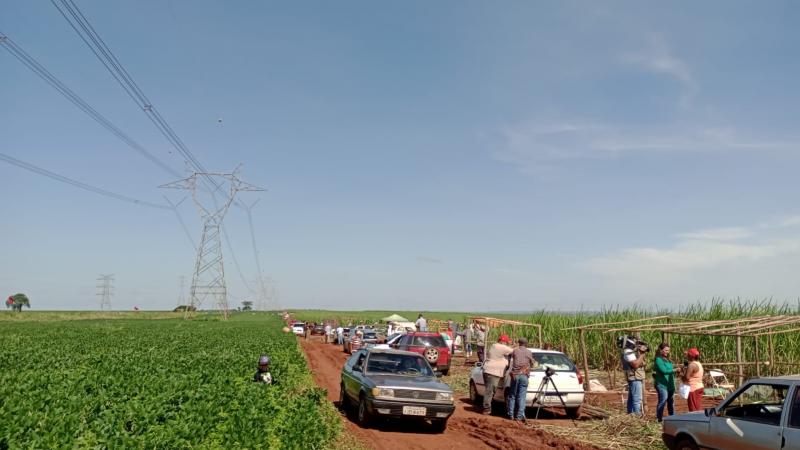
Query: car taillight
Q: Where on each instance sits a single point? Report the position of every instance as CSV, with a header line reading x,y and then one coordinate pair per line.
x,y
580,377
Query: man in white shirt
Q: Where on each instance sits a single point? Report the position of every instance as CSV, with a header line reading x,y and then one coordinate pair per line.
x,y
422,324
340,335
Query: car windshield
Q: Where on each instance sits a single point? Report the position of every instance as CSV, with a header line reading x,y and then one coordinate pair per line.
x,y
429,341
388,363
557,361
370,335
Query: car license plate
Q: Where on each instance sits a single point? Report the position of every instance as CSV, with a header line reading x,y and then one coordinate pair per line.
x,y
414,410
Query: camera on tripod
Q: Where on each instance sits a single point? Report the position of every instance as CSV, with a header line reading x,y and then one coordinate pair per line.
x,y
626,342
549,371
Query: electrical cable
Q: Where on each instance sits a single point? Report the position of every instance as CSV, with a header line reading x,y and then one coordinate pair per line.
x,y
35,169
79,102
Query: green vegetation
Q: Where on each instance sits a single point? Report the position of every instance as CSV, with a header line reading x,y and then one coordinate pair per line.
x,y
602,354
17,301
170,383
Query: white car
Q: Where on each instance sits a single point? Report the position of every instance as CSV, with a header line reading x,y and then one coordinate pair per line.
x,y
299,328
565,377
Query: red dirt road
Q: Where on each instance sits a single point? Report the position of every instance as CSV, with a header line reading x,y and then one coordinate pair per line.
x,y
465,429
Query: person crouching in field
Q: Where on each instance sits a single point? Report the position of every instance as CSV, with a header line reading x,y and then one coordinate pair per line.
x,y
693,376
263,375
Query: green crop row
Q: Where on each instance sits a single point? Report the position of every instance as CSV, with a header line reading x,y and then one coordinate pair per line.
x,y
157,384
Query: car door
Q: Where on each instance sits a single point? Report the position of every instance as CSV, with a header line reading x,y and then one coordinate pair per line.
x,y
403,343
791,430
357,379
750,419
349,376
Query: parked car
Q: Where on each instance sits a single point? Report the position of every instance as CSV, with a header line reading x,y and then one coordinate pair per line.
x,y
388,383
565,377
369,338
431,345
318,330
299,328
764,413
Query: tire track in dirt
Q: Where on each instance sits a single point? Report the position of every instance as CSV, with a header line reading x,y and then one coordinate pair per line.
x,y
465,429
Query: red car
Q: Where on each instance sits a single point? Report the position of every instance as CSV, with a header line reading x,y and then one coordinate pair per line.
x,y
428,344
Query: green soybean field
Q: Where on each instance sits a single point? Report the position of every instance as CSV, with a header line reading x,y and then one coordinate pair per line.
x,y
157,383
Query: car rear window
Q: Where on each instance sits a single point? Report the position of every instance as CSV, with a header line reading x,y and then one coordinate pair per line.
x,y
428,341
370,335
559,362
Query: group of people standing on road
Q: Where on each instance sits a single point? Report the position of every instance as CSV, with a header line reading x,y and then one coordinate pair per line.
x,y
634,365
500,358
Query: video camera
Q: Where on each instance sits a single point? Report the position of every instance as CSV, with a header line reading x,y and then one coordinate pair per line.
x,y
626,342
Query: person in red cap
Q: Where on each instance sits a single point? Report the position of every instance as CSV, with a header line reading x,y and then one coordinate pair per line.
x,y
494,368
693,376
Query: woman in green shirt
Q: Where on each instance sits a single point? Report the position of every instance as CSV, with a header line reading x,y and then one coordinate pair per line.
x,y
664,380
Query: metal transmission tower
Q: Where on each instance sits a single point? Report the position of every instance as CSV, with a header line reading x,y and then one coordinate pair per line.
x,y
209,272
105,290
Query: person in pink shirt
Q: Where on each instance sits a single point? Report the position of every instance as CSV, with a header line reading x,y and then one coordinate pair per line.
x,y
693,376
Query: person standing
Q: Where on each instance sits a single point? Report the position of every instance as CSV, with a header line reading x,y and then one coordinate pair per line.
x,y
422,324
494,369
480,343
693,376
664,381
340,335
633,365
468,340
521,363
355,341
327,333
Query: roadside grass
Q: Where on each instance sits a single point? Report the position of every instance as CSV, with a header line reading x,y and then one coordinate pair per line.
x,y
617,432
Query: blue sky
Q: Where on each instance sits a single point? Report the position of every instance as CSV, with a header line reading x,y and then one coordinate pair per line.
x,y
450,155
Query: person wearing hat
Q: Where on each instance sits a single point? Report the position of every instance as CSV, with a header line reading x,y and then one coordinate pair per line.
x,y
263,375
493,370
521,364
480,343
693,376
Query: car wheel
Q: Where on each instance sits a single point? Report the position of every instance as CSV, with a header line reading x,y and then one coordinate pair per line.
x,y
431,354
364,417
474,398
439,425
573,413
686,443
343,403
445,372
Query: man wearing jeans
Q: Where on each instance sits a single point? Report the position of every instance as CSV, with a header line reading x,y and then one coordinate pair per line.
x,y
521,363
633,367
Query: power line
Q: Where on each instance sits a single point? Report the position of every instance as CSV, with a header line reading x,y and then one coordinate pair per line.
x,y
73,15
37,68
44,172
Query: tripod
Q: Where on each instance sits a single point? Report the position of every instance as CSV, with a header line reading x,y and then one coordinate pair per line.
x,y
547,380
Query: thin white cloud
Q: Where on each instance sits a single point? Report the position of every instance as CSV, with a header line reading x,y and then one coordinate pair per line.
x,y
718,234
658,58
538,147
693,252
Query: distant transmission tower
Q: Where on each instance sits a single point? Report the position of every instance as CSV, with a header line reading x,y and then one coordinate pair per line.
x,y
209,272
105,290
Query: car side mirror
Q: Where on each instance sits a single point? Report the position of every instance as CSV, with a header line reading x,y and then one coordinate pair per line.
x,y
710,412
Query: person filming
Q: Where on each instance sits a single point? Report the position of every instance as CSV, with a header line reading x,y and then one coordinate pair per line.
x,y
633,365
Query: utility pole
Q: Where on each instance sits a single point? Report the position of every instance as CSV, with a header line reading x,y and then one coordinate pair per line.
x,y
209,272
105,290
